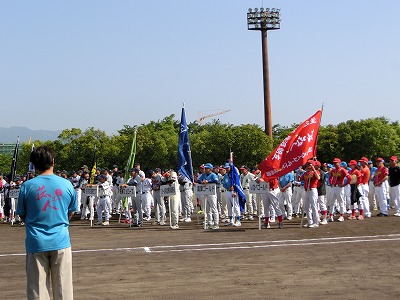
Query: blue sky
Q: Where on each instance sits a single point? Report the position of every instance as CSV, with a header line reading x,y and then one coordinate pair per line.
x,y
66,64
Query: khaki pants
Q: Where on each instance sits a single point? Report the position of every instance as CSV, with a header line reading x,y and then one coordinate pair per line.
x,y
41,266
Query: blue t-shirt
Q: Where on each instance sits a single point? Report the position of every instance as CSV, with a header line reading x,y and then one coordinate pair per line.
x,y
211,178
46,202
285,179
372,173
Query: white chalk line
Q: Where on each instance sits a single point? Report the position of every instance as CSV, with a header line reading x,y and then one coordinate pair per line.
x,y
247,245
271,246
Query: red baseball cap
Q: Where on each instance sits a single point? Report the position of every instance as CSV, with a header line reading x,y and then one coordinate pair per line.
x,y
317,163
380,159
336,160
394,158
353,162
311,162
363,159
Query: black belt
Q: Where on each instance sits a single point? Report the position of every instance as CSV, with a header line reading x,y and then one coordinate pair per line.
x,y
245,188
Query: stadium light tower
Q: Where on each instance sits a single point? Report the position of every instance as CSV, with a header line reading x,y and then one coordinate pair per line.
x,y
265,19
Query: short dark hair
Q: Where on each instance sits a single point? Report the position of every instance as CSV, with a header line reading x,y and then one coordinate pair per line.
x,y
42,158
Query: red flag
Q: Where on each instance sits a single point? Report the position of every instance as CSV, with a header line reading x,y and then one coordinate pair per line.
x,y
294,150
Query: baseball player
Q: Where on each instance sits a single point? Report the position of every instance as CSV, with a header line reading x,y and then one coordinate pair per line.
x,y
87,201
371,194
211,207
298,192
321,188
363,188
285,195
311,178
394,182
245,177
105,193
224,209
354,184
170,177
159,204
185,187
2,201
336,178
272,200
232,199
146,197
134,180
75,180
381,176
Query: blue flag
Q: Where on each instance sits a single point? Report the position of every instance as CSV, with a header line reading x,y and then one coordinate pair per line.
x,y
235,177
184,154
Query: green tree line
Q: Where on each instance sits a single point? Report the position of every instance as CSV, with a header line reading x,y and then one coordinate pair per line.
x,y
157,144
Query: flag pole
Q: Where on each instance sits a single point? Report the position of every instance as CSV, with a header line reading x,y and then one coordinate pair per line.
x,y
91,181
129,165
185,167
12,176
316,138
259,211
169,211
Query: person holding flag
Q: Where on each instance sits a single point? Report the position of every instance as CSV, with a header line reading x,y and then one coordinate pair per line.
x,y
271,201
235,197
311,177
135,180
294,151
185,169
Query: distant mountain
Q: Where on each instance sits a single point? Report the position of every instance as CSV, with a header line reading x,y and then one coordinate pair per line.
x,y
9,135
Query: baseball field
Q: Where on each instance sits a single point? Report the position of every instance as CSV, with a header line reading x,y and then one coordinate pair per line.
x,y
341,260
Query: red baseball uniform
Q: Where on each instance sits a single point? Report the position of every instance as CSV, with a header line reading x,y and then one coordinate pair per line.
x,y
338,175
310,179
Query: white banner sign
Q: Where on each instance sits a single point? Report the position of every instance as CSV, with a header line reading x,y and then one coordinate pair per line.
x,y
258,188
167,190
14,193
92,190
205,189
128,191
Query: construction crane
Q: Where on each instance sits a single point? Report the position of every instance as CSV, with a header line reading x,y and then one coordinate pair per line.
x,y
201,118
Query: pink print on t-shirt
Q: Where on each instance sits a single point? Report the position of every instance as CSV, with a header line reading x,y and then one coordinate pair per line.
x,y
41,193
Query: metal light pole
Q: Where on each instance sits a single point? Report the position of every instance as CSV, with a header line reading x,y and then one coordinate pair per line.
x,y
264,20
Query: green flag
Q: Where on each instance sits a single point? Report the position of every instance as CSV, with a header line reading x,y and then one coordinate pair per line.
x,y
129,165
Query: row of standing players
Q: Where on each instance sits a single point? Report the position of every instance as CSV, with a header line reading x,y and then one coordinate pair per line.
x,y
321,190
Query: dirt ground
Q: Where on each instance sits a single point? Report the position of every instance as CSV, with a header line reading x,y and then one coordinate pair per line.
x,y
348,260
